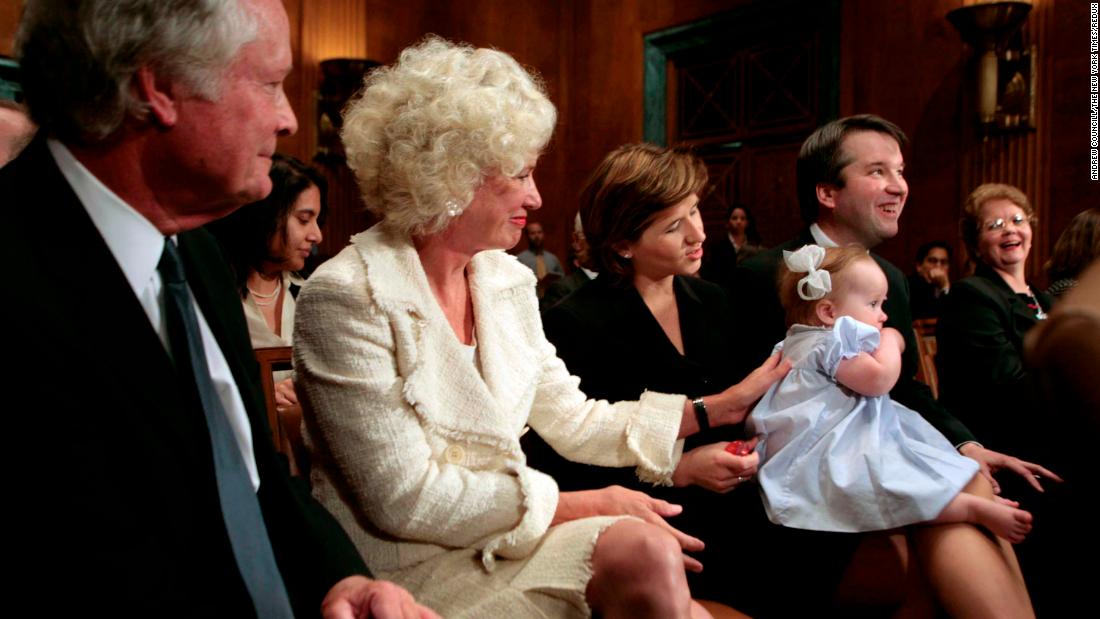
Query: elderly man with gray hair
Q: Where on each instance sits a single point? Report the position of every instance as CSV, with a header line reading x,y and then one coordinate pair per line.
x,y
155,488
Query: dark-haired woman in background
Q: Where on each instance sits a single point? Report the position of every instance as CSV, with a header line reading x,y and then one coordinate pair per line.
x,y
740,243
267,243
1076,249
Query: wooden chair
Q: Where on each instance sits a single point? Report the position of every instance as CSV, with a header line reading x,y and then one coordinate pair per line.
x,y
721,611
925,330
286,425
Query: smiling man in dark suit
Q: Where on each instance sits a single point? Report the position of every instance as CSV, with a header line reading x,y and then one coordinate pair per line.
x,y
146,477
852,191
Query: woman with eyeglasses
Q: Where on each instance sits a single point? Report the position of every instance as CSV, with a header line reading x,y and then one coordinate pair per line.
x,y
980,334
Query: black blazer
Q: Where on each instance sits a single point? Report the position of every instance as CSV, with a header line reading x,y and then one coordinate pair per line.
x,y
979,362
116,506
609,339
756,282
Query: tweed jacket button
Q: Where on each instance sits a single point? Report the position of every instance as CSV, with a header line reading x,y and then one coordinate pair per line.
x,y
454,454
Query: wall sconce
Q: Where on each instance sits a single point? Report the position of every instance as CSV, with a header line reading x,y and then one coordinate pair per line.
x,y
1007,70
340,79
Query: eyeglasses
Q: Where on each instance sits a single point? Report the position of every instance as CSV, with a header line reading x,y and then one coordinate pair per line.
x,y
995,225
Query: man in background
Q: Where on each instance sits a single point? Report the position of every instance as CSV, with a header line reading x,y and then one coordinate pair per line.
x,y
535,257
929,285
146,482
580,276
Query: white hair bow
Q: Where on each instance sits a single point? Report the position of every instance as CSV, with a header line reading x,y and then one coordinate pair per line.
x,y
817,282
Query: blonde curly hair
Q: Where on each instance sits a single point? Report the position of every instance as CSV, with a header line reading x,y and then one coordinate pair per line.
x,y
424,133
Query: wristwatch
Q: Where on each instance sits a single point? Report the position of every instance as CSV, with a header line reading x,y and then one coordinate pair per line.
x,y
701,414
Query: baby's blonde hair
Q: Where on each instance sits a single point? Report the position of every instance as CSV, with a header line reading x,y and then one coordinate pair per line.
x,y
801,311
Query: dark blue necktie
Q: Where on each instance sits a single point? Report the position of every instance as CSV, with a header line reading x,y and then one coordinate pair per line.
x,y
240,506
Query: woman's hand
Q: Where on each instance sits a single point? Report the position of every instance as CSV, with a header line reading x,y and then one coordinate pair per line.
x,y
990,462
285,397
365,598
733,405
619,501
714,468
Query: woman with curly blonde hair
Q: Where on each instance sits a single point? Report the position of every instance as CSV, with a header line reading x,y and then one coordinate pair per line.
x,y
421,358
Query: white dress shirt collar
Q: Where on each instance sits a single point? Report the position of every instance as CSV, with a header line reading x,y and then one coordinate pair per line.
x,y
137,245
133,240
820,237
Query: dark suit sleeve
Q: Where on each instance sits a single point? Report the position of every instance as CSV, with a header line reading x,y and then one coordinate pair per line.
x,y
758,314
580,350
910,391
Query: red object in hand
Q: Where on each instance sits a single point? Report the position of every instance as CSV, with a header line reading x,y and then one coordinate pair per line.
x,y
739,448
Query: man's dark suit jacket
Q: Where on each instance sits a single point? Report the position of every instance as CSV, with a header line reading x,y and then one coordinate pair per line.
x,y
763,324
116,507
564,287
923,300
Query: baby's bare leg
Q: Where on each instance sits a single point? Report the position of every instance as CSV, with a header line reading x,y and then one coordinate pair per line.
x,y
1006,521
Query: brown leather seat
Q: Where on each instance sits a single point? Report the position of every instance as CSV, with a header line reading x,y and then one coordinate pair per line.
x,y
721,611
925,329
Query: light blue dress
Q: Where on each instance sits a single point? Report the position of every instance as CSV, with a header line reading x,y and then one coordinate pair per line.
x,y
835,460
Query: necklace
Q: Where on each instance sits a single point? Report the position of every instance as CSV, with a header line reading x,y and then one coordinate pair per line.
x,y
1039,313
264,300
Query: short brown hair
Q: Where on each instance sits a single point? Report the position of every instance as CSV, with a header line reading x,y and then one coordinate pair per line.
x,y
821,158
971,225
632,184
800,311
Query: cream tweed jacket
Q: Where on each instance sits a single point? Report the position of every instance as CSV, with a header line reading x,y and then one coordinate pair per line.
x,y
414,448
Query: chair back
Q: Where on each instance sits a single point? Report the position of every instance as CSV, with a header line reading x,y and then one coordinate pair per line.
x,y
721,611
286,424
925,329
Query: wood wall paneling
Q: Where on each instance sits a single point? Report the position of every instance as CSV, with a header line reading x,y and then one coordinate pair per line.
x,y
1069,190
904,62
745,89
901,60
10,10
